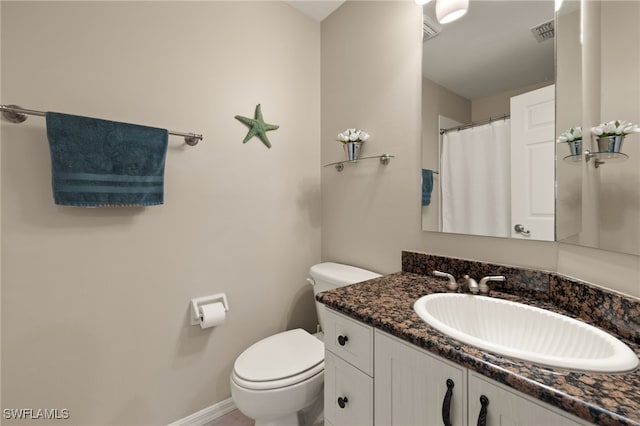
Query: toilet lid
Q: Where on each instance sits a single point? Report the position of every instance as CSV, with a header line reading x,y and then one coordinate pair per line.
x,y
282,355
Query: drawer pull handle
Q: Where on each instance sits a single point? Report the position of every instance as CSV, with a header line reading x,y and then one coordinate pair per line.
x,y
482,418
342,402
342,340
446,404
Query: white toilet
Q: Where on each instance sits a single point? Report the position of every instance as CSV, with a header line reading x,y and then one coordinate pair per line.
x,y
278,381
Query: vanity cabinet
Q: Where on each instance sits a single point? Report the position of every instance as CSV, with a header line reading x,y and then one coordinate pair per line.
x,y
505,407
413,386
348,371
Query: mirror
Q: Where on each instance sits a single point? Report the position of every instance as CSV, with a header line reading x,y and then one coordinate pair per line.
x,y
494,178
598,192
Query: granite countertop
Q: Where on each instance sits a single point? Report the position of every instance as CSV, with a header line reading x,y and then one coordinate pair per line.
x,y
386,303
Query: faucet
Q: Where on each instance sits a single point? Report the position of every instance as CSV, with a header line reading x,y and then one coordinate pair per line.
x,y
470,284
452,285
484,287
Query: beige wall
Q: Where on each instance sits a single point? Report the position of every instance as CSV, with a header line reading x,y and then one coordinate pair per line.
x,y
370,214
1,313
95,301
371,80
619,220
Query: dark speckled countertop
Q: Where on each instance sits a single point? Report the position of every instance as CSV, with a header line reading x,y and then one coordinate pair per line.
x,y
386,303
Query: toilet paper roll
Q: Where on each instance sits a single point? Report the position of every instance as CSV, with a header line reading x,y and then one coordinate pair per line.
x,y
212,314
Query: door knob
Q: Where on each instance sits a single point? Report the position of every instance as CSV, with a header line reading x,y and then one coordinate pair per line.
x,y
519,228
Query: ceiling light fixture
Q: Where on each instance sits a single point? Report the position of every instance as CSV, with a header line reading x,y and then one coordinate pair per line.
x,y
422,2
449,10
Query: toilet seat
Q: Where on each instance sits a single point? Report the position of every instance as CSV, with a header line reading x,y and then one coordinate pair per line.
x,y
283,359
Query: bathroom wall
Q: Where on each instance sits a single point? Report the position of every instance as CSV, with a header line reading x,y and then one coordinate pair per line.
x,y
370,212
619,196
0,220
371,80
95,301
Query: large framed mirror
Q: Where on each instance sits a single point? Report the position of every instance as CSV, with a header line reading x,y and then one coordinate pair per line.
x,y
488,121
598,66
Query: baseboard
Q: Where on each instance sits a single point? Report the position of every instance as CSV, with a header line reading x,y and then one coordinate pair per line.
x,y
206,415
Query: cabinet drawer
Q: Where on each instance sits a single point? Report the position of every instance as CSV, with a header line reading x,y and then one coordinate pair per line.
x,y
349,339
348,394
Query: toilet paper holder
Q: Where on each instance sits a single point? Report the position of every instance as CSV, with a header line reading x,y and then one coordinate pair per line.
x,y
199,301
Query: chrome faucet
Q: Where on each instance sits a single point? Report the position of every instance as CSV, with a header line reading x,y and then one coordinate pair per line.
x,y
470,284
484,287
452,285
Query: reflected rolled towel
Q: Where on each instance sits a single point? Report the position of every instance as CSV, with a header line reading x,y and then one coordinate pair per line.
x,y
427,186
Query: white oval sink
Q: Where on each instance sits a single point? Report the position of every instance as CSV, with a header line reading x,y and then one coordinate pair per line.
x,y
525,332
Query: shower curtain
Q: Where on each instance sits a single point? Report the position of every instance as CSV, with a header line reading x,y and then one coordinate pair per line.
x,y
475,175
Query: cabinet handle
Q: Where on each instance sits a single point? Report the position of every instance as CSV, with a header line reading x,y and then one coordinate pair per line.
x,y
342,340
342,402
482,417
446,404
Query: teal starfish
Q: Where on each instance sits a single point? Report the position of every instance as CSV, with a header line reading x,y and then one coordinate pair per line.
x,y
257,127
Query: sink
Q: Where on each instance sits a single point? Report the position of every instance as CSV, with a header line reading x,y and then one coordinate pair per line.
x,y
525,332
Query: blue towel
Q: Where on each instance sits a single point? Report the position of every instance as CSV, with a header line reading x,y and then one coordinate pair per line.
x,y
427,186
104,163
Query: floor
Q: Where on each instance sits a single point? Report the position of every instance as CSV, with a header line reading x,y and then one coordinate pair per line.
x,y
233,418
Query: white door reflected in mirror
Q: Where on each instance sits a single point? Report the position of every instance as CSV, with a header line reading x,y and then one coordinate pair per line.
x,y
532,174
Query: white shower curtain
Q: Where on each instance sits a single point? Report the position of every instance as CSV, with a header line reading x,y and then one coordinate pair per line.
x,y
475,175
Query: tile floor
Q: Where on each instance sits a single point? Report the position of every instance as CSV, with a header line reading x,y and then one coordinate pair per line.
x,y
233,418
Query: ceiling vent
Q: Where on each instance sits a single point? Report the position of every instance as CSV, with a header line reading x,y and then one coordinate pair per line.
x,y
544,31
430,28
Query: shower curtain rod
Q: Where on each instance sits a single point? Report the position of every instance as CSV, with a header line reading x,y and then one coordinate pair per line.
x,y
475,123
16,114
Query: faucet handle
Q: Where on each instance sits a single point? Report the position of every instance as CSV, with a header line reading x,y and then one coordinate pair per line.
x,y
484,287
452,285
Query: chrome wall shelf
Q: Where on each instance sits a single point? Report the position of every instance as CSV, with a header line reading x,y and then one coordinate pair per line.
x,y
598,157
339,165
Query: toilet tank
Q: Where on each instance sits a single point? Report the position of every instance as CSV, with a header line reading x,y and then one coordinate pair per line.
x,y
329,275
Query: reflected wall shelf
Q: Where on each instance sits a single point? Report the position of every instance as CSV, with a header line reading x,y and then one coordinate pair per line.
x,y
598,157
384,159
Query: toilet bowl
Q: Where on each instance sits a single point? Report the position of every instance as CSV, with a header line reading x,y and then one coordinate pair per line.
x,y
278,381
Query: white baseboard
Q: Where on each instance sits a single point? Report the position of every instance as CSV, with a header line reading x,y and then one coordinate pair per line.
x,y
206,415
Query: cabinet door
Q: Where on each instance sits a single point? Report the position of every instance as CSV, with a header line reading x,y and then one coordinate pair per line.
x,y
348,394
411,386
508,407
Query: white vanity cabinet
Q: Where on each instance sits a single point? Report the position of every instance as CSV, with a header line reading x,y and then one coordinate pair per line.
x,y
414,387
348,371
506,407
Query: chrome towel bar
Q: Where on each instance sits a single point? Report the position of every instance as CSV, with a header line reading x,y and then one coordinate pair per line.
x,y
16,114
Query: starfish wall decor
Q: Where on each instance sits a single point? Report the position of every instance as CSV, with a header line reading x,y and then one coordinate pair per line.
x,y
257,127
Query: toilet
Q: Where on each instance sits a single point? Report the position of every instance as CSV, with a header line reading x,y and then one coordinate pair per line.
x,y
278,381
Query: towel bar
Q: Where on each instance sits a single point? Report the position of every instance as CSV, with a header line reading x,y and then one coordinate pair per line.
x,y
16,114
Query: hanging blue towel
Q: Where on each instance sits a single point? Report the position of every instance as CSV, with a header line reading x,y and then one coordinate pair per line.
x,y
104,163
427,186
